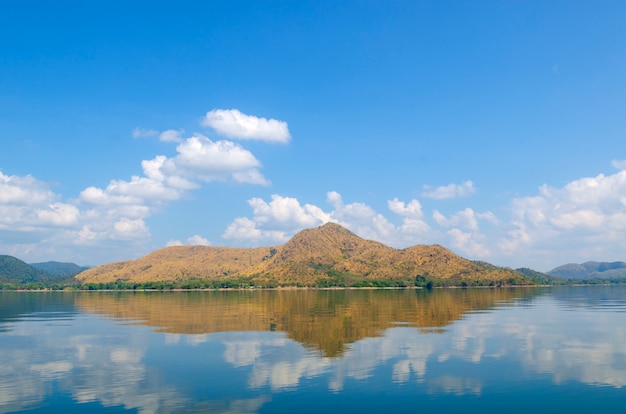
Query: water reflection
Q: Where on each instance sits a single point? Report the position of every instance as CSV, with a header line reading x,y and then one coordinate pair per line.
x,y
247,351
323,320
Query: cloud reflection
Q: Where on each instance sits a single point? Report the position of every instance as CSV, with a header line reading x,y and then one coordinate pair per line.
x,y
522,339
100,361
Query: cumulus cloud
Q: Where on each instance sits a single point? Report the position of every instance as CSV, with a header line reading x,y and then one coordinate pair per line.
x,y
203,159
195,240
585,219
28,205
466,218
471,244
287,211
464,189
118,211
412,223
413,209
275,221
58,214
115,215
234,124
130,229
587,204
247,230
360,218
278,220
27,190
164,179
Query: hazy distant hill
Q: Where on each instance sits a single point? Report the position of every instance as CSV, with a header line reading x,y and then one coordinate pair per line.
x,y
59,268
13,270
539,277
327,253
591,270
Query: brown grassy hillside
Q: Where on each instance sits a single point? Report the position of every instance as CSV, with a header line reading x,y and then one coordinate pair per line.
x,y
179,263
327,253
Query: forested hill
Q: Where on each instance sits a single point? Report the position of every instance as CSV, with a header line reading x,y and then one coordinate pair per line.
x,y
13,270
59,268
16,273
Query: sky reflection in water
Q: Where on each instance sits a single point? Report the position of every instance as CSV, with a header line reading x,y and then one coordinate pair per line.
x,y
467,350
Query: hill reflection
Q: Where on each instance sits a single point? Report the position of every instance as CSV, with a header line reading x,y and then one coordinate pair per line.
x,y
321,320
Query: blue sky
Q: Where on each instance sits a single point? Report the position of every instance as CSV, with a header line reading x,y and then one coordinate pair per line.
x,y
496,129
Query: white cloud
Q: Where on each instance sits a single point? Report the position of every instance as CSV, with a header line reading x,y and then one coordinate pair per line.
x,y
199,158
144,133
97,196
246,230
28,205
16,190
412,224
413,209
275,221
619,164
130,229
449,191
197,240
171,135
584,220
466,218
361,219
114,215
287,212
117,211
584,204
282,217
468,244
58,214
234,124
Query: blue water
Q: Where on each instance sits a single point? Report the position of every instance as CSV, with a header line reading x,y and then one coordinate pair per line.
x,y
516,350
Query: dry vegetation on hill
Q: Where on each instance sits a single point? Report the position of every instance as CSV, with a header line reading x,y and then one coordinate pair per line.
x,y
324,256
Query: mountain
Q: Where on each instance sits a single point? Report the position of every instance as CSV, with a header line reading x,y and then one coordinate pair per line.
x,y
59,268
13,270
329,255
591,270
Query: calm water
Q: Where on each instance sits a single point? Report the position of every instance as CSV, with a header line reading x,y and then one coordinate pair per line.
x,y
501,350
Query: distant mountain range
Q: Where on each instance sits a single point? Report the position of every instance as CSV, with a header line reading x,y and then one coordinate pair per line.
x,y
16,271
328,255
13,270
591,270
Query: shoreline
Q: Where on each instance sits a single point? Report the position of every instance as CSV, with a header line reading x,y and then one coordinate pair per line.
x,y
297,288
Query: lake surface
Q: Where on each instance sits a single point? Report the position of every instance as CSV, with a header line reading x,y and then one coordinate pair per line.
x,y
542,350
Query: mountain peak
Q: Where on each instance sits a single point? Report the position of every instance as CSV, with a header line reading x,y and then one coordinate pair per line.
x,y
311,258
328,229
